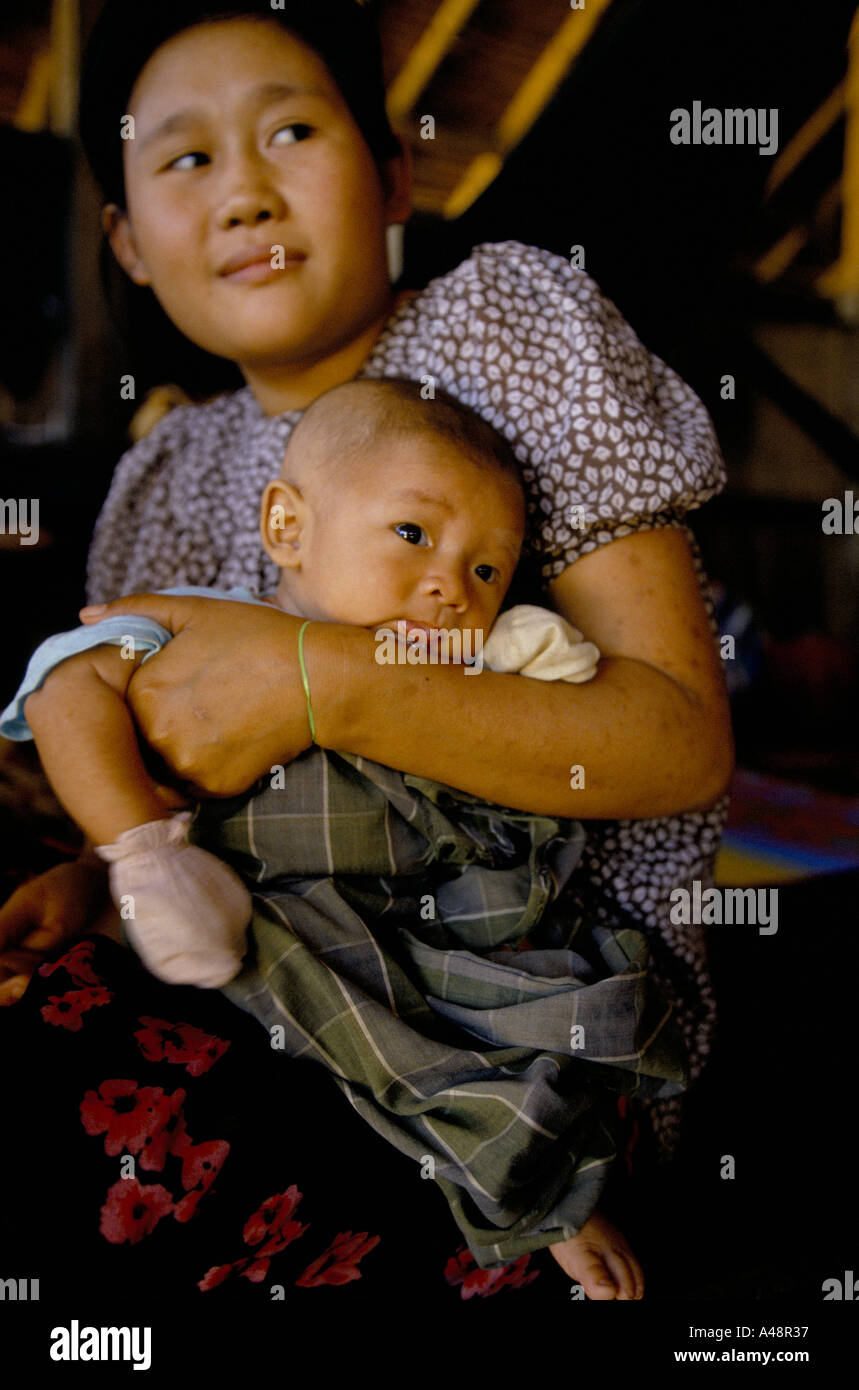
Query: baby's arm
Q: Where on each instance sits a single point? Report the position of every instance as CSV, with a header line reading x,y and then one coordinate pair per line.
x,y
88,745
185,912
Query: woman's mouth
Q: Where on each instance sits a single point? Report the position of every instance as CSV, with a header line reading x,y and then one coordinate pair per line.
x,y
259,268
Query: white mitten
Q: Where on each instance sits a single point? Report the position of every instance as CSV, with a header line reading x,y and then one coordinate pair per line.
x,y
189,912
539,643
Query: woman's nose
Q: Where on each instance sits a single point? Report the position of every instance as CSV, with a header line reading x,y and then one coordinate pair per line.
x,y
250,195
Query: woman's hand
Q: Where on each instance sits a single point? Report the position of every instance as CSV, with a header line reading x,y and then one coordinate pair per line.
x,y
42,914
223,702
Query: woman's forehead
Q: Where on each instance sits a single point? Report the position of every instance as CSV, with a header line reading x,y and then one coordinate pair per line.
x,y
245,53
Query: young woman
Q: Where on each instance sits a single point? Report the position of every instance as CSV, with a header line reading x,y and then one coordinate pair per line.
x,y
267,130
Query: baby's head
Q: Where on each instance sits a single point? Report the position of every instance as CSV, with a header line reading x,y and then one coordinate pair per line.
x,y
394,507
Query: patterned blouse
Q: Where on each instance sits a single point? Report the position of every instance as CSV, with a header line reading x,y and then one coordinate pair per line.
x,y
611,441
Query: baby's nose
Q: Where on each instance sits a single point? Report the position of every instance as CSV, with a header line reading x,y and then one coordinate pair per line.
x,y
449,585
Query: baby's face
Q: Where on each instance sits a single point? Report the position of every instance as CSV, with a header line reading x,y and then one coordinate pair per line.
x,y
420,533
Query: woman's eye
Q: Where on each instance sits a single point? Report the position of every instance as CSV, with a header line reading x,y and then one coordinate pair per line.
x,y
488,573
411,532
295,131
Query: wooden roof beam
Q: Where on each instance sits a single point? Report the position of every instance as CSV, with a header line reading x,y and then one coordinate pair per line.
x,y
432,46
533,95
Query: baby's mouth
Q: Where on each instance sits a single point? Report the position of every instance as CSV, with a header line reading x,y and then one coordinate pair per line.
x,y
411,625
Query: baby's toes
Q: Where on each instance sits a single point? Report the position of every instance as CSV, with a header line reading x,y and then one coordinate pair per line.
x,y
596,1277
627,1274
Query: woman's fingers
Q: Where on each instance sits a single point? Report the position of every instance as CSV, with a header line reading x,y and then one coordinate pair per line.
x,y
155,606
173,611
19,962
31,924
223,702
44,914
16,970
19,915
12,990
52,908
45,938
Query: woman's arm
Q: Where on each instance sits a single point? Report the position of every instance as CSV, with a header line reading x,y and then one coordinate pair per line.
x,y
651,731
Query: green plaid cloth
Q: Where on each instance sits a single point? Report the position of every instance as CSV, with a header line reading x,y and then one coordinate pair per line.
x,y
414,940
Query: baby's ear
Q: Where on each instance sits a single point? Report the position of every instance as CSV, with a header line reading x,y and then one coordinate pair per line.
x,y
281,516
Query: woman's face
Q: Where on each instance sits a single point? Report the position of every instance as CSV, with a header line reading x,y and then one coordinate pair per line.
x,y
244,143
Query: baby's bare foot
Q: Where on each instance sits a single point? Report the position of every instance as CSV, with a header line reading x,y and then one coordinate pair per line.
x,y
600,1259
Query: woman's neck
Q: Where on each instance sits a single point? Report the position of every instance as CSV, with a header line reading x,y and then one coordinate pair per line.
x,y
278,388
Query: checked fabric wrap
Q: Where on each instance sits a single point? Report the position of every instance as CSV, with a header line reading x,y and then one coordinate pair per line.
x,y
416,942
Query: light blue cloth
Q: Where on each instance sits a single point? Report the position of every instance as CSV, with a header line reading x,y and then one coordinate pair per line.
x,y
148,636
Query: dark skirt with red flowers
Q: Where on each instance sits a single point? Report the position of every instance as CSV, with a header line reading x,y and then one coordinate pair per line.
x,y
156,1144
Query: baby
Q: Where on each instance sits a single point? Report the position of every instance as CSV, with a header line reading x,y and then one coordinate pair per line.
x,y
394,513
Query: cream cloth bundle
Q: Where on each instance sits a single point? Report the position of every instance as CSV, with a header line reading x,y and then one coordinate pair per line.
x,y
538,643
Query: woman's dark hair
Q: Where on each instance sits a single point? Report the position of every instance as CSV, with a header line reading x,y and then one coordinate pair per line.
x,y
127,33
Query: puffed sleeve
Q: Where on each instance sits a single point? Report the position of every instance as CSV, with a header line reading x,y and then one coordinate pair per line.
x,y
135,522
183,506
611,440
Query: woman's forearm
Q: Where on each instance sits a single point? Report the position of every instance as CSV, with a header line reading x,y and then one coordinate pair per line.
x,y
223,702
644,744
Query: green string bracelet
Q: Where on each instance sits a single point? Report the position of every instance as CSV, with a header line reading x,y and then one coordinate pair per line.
x,y
304,679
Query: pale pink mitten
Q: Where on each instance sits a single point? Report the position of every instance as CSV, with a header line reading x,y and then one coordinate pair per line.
x,y
188,912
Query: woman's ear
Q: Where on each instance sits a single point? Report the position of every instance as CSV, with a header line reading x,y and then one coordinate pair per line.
x,y
281,519
397,183
117,228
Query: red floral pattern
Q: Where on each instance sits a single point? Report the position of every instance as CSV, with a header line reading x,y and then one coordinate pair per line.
x,y
182,1043
77,963
462,1268
133,1211
633,1130
339,1263
170,1135
272,1224
129,1115
67,1010
271,1218
145,1121
216,1275
201,1164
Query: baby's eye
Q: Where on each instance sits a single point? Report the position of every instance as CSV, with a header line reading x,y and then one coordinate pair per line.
x,y
179,162
295,131
411,532
488,573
